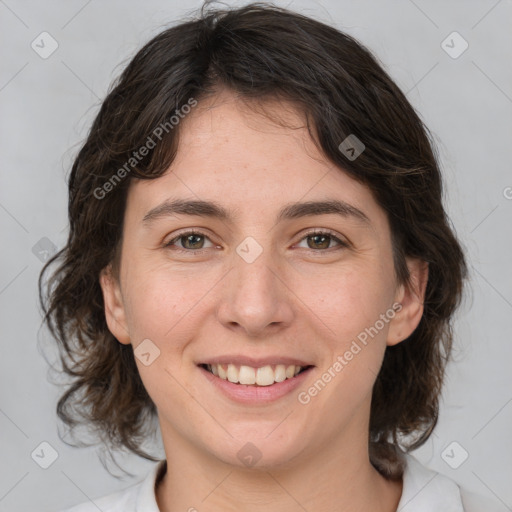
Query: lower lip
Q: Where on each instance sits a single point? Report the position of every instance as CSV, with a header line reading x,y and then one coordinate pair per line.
x,y
247,394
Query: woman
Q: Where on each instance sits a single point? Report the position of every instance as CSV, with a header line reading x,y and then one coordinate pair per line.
x,y
259,259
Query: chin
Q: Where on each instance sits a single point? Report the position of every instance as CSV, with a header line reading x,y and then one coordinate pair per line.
x,y
254,448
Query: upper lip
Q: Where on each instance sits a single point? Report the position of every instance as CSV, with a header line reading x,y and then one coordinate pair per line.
x,y
240,360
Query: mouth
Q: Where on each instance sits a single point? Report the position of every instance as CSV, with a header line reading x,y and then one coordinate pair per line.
x,y
262,376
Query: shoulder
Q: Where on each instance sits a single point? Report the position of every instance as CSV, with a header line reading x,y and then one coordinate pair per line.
x,y
139,497
425,490
476,503
115,502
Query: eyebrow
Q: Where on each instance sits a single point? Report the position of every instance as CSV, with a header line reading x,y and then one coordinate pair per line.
x,y
290,211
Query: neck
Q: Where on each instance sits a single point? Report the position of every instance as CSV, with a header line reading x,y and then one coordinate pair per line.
x,y
339,478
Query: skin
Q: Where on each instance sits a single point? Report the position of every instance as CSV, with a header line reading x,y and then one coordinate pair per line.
x,y
302,297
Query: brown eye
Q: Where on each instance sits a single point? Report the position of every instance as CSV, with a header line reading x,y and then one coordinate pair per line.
x,y
189,241
319,241
322,240
192,241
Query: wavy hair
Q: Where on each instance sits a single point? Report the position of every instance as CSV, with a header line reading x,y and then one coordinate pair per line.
x,y
260,52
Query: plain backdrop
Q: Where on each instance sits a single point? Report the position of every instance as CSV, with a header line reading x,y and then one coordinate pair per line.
x,y
47,105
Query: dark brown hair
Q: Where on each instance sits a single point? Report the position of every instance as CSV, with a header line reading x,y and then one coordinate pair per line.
x,y
259,52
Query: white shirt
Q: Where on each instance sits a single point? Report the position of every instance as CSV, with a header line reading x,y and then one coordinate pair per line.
x,y
423,490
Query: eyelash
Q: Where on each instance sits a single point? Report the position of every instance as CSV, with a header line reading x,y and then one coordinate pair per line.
x,y
331,234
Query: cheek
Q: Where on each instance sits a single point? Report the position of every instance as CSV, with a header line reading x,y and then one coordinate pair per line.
x,y
162,306
162,302
350,302
354,347
352,309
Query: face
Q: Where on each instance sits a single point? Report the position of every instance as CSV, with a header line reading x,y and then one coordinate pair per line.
x,y
292,298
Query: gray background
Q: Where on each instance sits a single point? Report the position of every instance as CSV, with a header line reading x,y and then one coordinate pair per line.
x,y
47,106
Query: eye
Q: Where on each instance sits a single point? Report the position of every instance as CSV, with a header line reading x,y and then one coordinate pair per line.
x,y
193,241
320,240
189,241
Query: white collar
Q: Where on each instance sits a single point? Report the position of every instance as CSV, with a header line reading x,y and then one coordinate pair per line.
x,y
425,490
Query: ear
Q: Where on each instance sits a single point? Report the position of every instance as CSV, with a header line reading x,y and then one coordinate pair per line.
x,y
411,296
114,306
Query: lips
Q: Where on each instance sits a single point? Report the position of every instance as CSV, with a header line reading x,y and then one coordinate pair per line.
x,y
256,395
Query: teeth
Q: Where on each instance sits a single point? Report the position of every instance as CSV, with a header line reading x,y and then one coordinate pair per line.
x,y
264,376
222,373
247,375
233,373
280,373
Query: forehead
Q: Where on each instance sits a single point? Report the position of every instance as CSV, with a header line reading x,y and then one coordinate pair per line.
x,y
251,157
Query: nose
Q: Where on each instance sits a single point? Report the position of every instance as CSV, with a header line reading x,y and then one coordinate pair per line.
x,y
256,299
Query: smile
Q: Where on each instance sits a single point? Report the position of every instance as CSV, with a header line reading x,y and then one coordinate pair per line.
x,y
248,375
255,385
